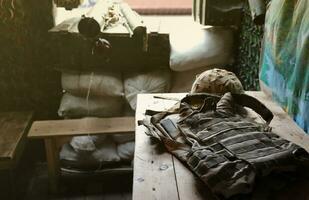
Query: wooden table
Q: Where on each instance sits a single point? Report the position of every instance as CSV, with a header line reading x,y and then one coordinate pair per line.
x,y
13,131
160,176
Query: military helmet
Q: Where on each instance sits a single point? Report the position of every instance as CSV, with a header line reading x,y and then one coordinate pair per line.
x,y
217,81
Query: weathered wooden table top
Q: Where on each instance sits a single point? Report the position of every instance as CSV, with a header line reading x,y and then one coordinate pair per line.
x,y
159,175
13,131
13,126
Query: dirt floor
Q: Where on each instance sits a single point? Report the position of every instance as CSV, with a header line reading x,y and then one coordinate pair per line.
x,y
30,182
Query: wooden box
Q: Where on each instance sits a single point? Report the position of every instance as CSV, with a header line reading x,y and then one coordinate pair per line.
x,y
73,51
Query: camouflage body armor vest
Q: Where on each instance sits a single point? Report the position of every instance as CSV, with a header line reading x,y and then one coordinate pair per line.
x,y
224,148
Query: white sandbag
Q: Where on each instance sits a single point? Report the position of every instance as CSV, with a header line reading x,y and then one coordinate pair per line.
x,y
123,138
98,84
87,142
126,150
77,159
149,82
106,151
72,106
193,47
70,158
68,153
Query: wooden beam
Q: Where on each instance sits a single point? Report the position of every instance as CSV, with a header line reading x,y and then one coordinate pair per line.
x,y
85,126
52,157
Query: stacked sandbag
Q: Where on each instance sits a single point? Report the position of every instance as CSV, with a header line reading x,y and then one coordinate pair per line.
x,y
91,94
126,150
102,84
89,152
93,152
194,46
157,81
73,107
87,142
102,95
125,145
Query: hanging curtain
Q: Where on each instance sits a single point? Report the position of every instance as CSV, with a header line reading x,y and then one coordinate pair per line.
x,y
285,60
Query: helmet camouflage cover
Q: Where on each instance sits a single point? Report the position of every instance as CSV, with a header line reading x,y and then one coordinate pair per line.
x,y
217,81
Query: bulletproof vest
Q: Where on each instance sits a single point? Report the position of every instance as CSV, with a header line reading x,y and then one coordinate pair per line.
x,y
225,148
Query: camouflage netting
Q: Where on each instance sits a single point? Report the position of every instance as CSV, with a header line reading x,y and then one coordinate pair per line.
x,y
248,53
25,81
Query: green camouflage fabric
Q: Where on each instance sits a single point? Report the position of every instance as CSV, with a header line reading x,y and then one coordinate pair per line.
x,y
227,150
217,81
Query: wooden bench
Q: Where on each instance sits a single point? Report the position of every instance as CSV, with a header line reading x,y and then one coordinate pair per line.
x,y
13,129
56,132
160,175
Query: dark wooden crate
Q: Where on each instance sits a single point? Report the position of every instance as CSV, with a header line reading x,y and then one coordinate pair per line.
x,y
72,51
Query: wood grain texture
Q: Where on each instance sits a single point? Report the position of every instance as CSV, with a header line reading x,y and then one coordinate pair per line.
x,y
177,181
74,127
13,126
154,175
52,157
